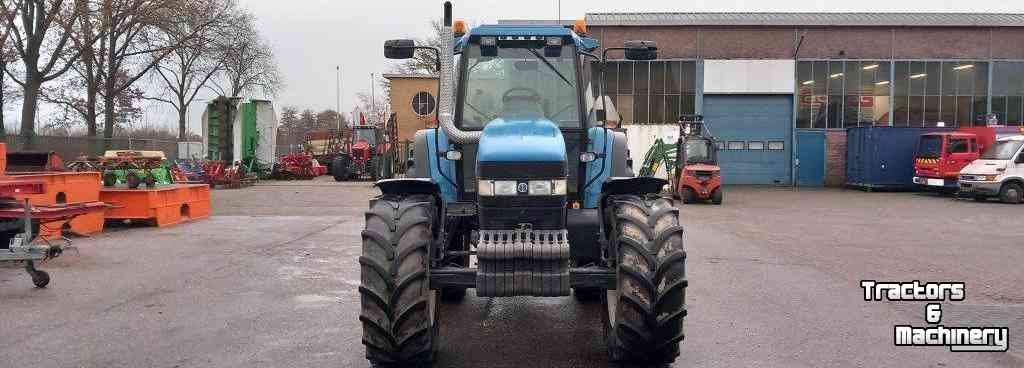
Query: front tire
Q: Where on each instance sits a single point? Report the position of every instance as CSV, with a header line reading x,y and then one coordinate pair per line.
x,y
716,197
1011,193
689,196
646,311
340,168
399,311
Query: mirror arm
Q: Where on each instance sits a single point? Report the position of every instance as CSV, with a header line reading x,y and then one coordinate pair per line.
x,y
604,54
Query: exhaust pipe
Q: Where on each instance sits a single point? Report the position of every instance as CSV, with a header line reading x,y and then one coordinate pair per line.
x,y
445,104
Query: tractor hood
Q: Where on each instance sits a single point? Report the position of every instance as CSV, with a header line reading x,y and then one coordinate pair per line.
x,y
525,140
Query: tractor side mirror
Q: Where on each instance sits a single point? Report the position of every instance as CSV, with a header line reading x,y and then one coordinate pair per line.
x,y
641,50
399,49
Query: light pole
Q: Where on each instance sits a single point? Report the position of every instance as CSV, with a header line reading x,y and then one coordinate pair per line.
x,y
338,77
373,99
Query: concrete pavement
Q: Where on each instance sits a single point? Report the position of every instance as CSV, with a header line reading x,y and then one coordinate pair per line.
x,y
270,281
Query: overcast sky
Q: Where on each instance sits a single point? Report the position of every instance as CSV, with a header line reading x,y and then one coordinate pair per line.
x,y
312,36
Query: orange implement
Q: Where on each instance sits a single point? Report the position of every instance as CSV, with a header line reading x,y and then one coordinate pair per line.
x,y
66,188
165,204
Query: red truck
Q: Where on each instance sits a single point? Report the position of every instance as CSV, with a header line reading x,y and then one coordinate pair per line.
x,y
940,156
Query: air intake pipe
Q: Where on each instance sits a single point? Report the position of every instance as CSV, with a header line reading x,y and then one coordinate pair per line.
x,y
445,105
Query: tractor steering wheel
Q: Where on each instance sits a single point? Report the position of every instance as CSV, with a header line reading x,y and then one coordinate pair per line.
x,y
509,95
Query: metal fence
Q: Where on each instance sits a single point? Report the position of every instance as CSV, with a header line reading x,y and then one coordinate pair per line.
x,y
70,148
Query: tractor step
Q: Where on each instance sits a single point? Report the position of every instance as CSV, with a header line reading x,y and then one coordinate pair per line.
x,y
460,209
579,277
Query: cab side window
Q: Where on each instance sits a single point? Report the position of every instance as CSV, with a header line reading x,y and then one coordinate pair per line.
x,y
958,146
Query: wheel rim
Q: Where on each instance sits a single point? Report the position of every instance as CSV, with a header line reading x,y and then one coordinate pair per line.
x,y
1013,194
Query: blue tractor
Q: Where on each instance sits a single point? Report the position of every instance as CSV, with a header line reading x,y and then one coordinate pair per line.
x,y
521,191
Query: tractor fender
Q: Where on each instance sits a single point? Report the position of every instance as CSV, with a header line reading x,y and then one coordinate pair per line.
x,y
406,186
622,163
418,161
638,185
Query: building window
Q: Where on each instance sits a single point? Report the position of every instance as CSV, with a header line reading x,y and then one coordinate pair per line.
x,y
651,92
776,145
423,104
926,93
842,94
737,145
755,145
1008,92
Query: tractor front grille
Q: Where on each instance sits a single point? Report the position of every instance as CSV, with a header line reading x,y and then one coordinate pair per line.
x,y
508,218
521,170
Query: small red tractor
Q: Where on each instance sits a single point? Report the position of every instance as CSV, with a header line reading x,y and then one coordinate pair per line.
x,y
367,150
698,176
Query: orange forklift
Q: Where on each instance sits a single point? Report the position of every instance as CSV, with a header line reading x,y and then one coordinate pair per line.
x,y
698,178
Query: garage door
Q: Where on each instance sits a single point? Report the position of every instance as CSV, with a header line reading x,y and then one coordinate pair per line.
x,y
755,134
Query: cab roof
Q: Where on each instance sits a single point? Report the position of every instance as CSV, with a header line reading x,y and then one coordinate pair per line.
x,y
582,43
515,30
952,134
1011,138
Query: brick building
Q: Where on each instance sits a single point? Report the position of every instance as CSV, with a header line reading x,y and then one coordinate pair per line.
x,y
779,89
414,102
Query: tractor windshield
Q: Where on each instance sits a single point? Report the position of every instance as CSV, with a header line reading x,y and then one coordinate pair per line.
x,y
700,151
367,135
520,83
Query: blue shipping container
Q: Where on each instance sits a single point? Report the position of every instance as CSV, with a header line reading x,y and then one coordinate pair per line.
x,y
882,157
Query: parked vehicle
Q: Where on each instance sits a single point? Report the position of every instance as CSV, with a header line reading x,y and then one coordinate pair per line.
x,y
367,151
999,172
698,176
940,157
527,178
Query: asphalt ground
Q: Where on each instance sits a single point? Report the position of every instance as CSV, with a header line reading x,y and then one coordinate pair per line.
x,y
270,281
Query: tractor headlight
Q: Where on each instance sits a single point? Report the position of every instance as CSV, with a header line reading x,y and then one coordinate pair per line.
x,y
504,187
540,187
489,188
558,187
485,188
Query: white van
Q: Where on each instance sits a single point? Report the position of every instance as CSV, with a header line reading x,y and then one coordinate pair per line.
x,y
999,172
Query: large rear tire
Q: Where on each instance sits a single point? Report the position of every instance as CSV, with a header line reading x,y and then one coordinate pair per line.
x,y
340,168
645,313
399,311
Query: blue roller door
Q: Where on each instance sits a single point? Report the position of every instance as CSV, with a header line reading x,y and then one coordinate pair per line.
x,y
755,132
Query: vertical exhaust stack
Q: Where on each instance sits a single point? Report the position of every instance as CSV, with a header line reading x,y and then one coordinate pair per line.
x,y
445,105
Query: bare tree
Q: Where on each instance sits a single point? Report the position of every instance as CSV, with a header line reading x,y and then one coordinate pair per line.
x,y
133,32
248,61
190,67
423,61
41,42
7,90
